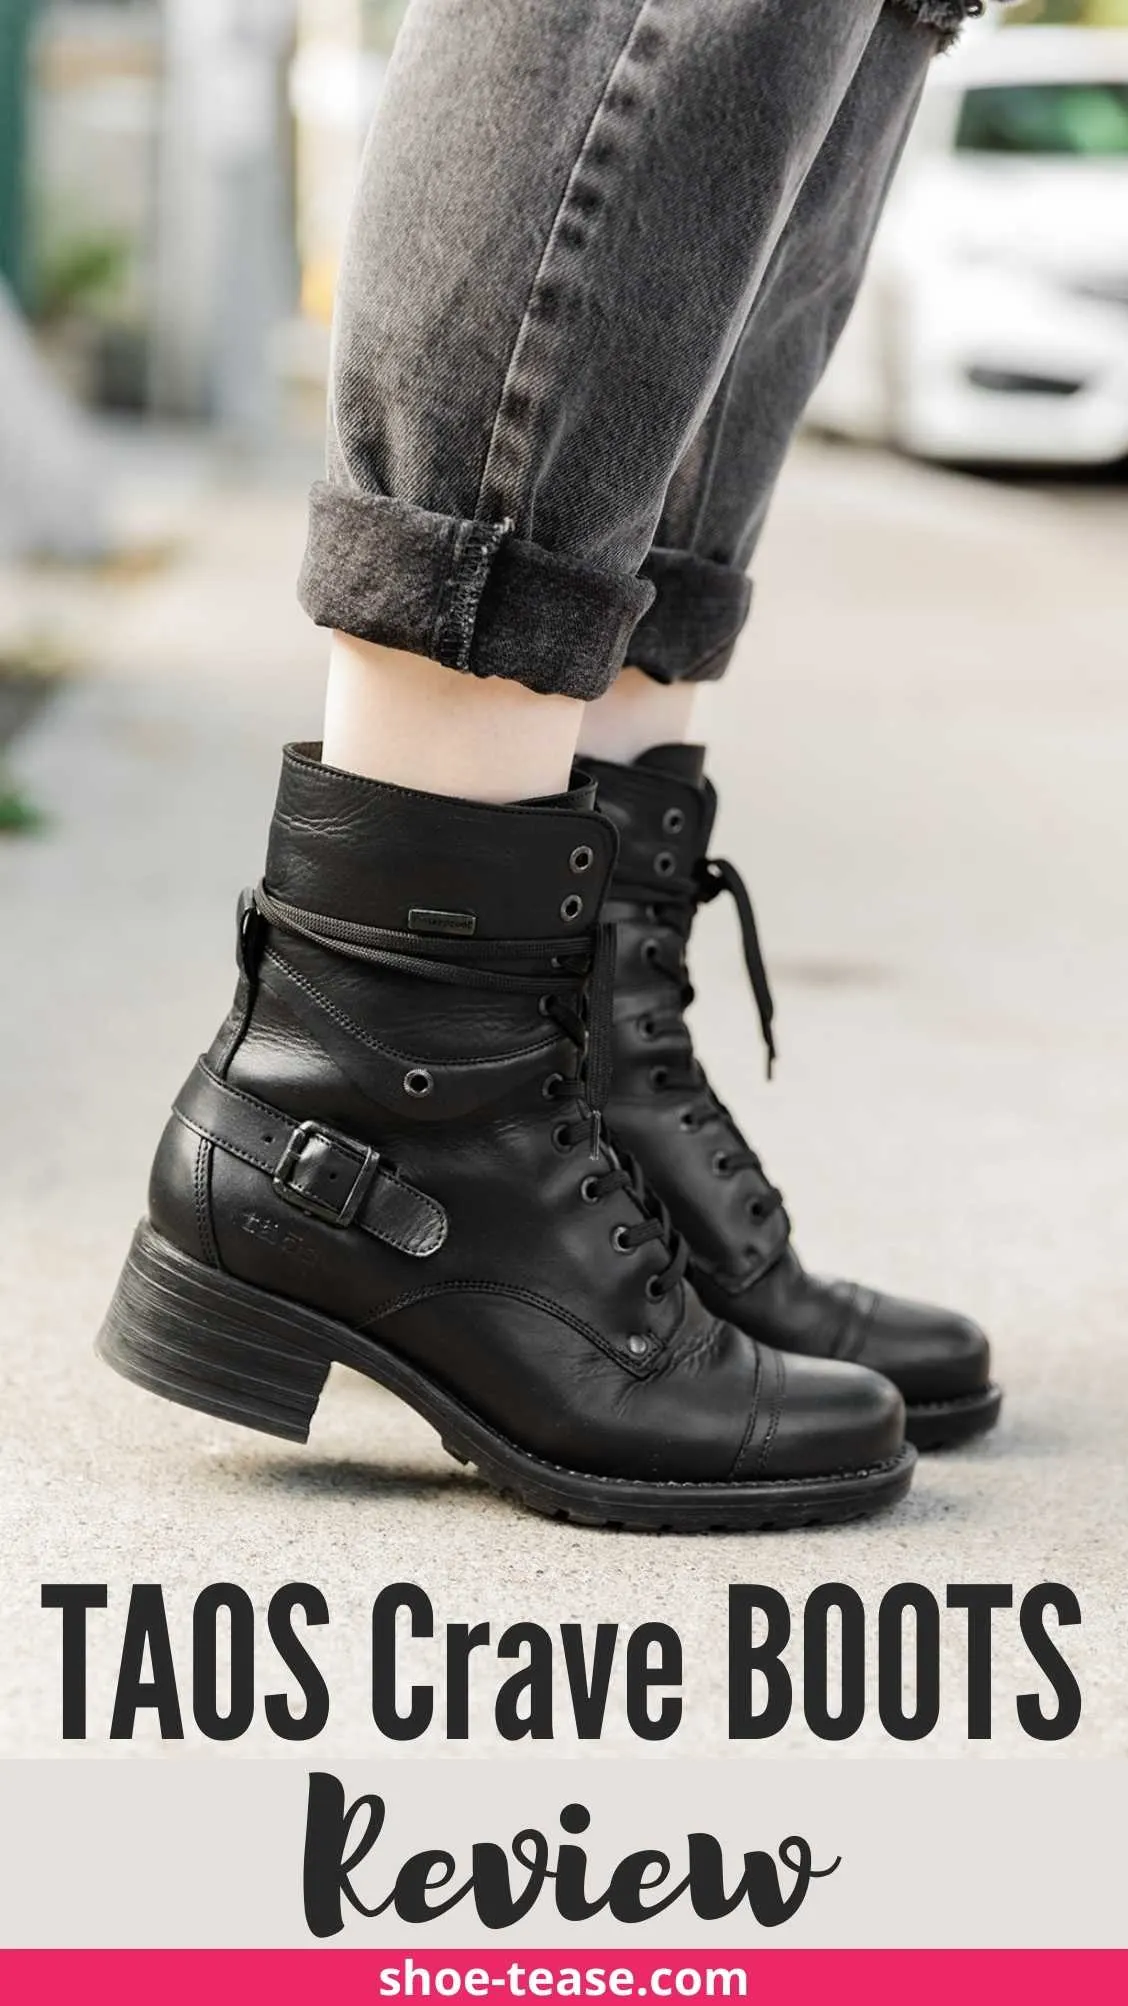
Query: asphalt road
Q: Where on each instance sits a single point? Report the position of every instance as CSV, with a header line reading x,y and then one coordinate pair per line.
x,y
922,757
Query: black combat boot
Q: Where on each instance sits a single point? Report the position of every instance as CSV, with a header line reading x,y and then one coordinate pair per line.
x,y
392,1158
690,1150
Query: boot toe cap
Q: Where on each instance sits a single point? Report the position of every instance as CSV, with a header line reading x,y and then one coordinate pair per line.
x,y
819,1417
931,1354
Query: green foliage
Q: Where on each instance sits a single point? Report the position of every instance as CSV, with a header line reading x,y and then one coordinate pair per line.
x,y
18,816
77,272
30,673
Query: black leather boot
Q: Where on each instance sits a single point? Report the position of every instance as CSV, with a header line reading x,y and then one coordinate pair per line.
x,y
690,1149
391,1157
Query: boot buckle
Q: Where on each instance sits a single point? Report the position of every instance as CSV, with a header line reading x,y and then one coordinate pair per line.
x,y
314,1158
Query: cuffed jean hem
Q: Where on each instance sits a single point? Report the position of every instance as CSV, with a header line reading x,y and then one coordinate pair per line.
x,y
689,632
467,594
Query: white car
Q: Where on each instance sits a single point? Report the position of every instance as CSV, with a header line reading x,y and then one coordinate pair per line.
x,y
993,322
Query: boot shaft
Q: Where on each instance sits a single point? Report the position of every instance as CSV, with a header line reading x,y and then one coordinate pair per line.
x,y
416,935
412,976
663,810
432,867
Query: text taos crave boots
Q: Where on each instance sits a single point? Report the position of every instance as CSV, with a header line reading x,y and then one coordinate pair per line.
x,y
690,1150
389,1159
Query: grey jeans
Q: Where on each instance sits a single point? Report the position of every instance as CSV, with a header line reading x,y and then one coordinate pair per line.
x,y
599,255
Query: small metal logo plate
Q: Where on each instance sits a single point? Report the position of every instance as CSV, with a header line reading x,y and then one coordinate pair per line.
x,y
421,919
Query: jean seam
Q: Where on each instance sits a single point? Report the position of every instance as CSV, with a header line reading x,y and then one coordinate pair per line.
x,y
473,549
508,396
719,416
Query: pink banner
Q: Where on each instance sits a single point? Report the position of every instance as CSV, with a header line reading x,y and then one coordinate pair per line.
x,y
363,1977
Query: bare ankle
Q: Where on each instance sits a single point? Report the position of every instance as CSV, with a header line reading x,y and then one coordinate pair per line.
x,y
411,722
636,714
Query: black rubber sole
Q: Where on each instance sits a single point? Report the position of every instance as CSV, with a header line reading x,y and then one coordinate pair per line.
x,y
199,1337
944,1424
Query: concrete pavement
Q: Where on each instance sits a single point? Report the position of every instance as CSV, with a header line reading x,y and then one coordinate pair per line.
x,y
922,758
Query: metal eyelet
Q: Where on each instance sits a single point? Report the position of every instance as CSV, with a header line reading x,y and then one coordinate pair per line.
x,y
560,1136
721,1164
658,1077
582,858
550,1085
638,1345
619,1239
653,1290
665,864
571,907
645,1028
543,1003
687,1121
649,953
417,1082
673,821
589,1191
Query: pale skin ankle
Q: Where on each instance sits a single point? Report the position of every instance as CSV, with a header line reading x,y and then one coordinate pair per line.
x,y
411,722
635,715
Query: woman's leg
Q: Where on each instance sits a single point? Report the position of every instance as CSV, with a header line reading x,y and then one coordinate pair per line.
x,y
563,221
409,721
636,713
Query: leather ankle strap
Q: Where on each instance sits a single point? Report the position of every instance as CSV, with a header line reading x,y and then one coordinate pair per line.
x,y
328,1176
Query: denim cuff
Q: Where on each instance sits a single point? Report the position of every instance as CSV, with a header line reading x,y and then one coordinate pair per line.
x,y
468,594
691,629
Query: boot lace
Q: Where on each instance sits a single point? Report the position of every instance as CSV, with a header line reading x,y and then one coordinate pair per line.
x,y
585,971
674,909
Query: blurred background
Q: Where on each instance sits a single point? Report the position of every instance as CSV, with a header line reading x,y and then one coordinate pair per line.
x,y
921,753
173,181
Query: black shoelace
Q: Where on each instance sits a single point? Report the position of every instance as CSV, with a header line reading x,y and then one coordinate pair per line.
x,y
574,965
674,908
